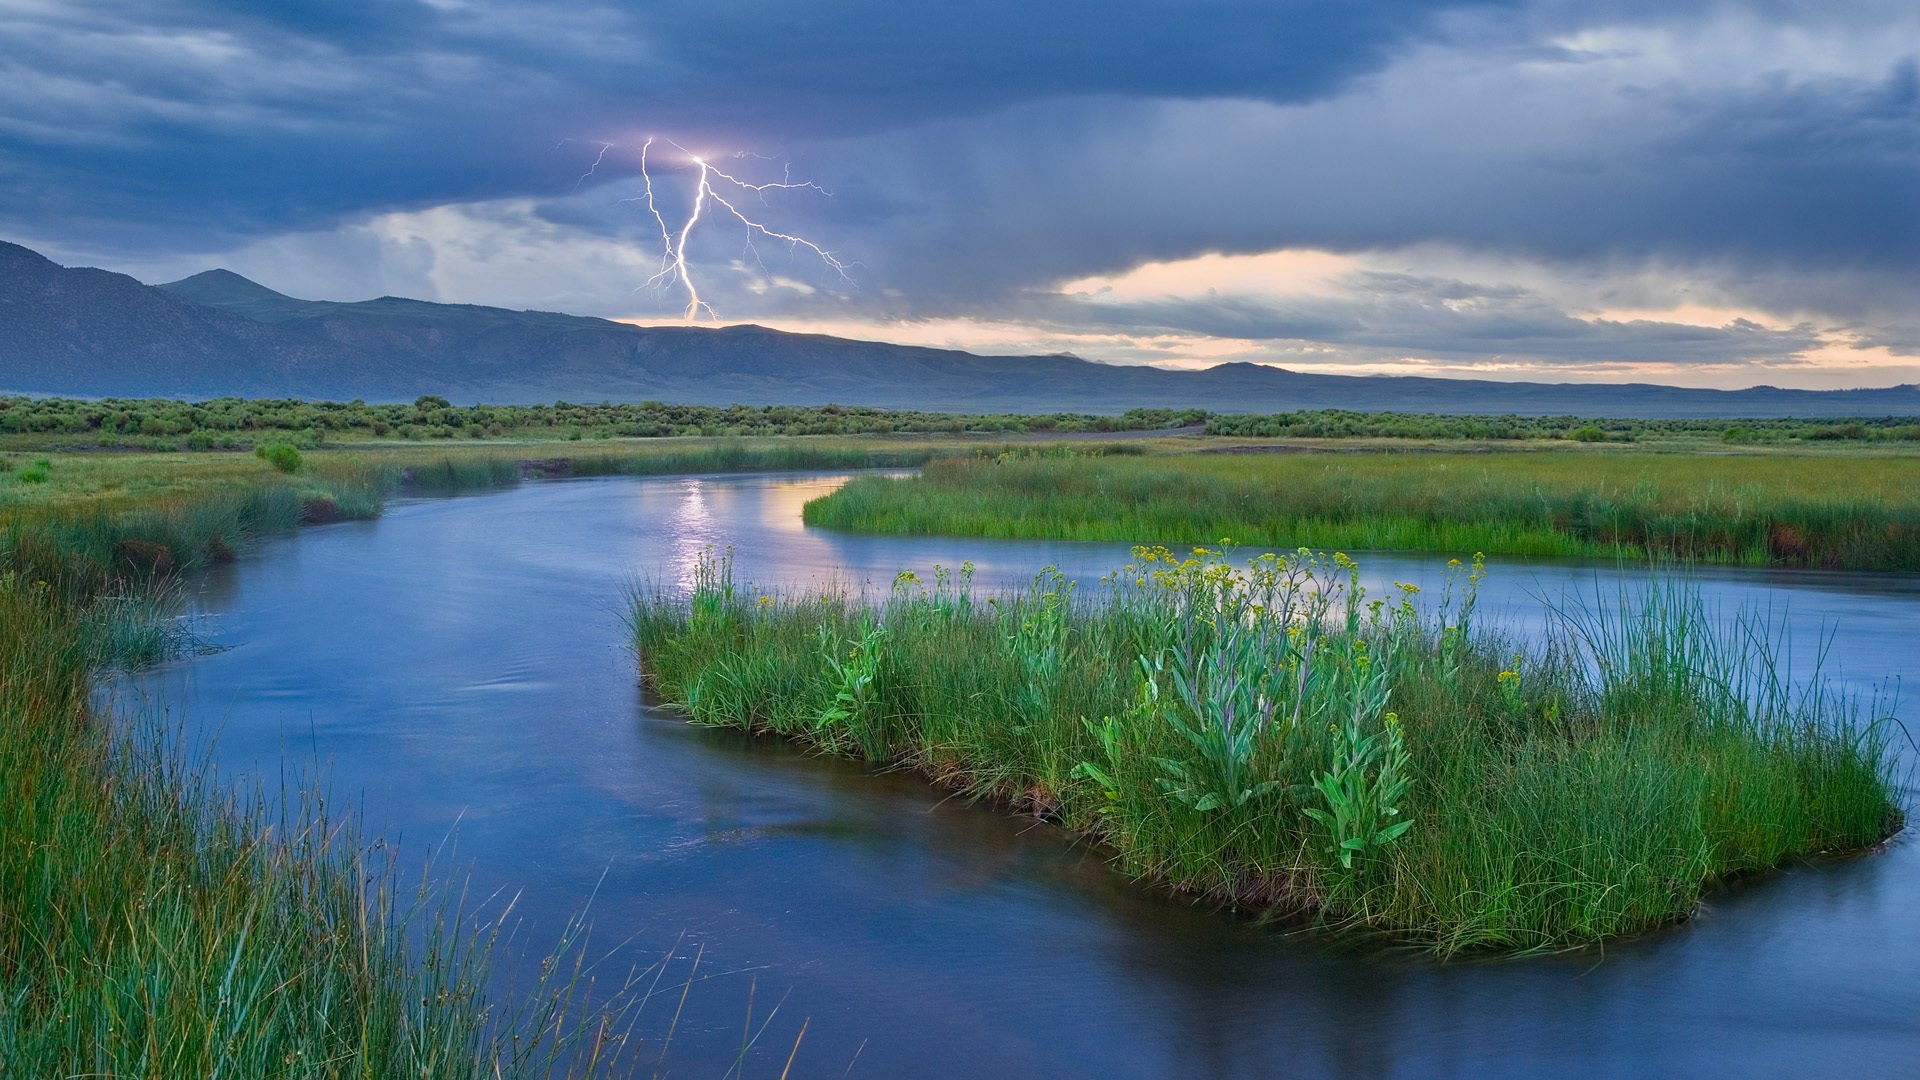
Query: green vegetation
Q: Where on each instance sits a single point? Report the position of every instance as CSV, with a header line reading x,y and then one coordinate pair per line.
x,y
1857,512
160,424
281,456
1346,424
1271,737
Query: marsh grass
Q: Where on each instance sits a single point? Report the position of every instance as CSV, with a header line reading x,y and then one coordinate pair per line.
x,y
1271,737
1861,513
142,627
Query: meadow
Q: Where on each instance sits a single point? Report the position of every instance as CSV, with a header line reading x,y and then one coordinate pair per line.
x,y
156,922
1345,424
1264,734
164,425
1858,510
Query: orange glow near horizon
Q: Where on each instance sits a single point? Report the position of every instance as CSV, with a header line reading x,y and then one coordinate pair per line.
x,y
1286,272
1835,365
1294,273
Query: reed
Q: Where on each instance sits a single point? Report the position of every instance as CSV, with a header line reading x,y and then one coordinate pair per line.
x,y
1862,513
1270,736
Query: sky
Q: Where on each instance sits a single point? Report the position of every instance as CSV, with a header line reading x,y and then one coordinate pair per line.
x,y
1703,194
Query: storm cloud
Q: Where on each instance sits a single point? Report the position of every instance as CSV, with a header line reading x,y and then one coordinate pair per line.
x,y
1690,184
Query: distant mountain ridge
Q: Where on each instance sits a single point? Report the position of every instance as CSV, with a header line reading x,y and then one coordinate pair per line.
x,y
96,333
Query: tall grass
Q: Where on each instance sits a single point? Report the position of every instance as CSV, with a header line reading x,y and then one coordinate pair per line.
x,y
86,549
1271,736
1862,513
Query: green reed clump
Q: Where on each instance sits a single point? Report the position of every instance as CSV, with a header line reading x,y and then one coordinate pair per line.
x,y
140,627
1802,511
1272,736
450,474
282,456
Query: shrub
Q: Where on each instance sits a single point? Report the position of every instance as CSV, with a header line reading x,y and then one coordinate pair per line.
x,y
282,456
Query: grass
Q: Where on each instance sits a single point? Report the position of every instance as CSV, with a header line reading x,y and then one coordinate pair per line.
x,y
235,423
1271,737
161,424
154,924
1861,511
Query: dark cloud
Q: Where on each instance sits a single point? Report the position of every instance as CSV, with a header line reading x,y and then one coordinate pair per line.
x,y
1406,315
1799,193
235,118
981,154
881,61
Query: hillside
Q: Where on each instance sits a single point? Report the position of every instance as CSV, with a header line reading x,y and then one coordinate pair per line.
x,y
93,332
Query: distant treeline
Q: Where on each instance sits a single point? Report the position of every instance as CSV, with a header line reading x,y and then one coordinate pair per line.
x,y
237,423
240,423
1344,424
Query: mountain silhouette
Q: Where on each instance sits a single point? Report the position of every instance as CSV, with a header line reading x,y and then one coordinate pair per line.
x,y
96,333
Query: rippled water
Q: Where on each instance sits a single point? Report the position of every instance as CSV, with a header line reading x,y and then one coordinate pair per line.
x,y
460,668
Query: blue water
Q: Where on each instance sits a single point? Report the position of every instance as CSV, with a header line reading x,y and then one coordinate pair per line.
x,y
459,670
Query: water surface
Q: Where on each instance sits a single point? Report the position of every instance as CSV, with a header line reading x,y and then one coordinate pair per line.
x,y
460,668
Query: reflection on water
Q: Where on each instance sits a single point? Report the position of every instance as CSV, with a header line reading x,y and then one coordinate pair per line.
x,y
692,533
462,661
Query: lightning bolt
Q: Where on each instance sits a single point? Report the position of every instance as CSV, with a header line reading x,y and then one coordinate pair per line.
x,y
595,167
709,182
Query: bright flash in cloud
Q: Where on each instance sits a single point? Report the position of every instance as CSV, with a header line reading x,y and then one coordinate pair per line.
x,y
717,194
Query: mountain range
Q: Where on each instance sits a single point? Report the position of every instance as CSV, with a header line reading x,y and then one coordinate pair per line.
x,y
94,333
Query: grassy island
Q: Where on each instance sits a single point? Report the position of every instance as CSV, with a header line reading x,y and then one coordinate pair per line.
x,y
1268,735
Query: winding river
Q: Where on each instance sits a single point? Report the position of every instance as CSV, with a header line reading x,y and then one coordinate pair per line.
x,y
459,669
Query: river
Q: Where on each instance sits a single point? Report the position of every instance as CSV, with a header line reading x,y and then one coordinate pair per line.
x,y
459,669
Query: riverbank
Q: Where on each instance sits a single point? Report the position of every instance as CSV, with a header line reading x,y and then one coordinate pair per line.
x,y
1857,511
92,521
1269,736
157,924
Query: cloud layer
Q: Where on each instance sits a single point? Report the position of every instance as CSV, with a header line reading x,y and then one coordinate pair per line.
x,y
1721,193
